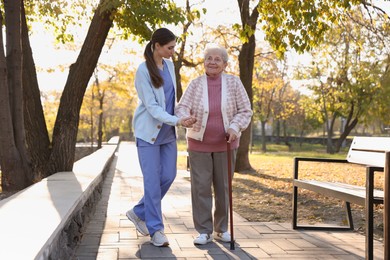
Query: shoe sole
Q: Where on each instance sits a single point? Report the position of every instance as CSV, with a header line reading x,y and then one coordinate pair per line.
x,y
161,245
136,225
202,244
222,240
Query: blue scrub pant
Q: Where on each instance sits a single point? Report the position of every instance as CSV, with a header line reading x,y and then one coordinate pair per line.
x,y
158,165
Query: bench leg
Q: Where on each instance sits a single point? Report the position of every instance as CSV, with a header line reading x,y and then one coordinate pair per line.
x,y
349,215
295,207
386,212
369,213
313,227
295,196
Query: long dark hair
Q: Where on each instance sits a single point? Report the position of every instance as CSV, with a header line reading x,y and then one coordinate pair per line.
x,y
161,36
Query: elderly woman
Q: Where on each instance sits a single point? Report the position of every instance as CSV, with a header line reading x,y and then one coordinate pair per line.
x,y
222,110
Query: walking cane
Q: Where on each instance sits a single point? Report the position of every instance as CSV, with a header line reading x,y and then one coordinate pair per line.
x,y
230,179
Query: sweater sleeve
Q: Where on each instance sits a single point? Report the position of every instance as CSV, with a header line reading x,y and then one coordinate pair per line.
x,y
183,108
243,115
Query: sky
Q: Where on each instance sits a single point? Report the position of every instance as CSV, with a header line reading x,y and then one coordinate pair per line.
x,y
49,58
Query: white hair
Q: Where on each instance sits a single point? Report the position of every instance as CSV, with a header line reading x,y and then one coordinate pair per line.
x,y
216,48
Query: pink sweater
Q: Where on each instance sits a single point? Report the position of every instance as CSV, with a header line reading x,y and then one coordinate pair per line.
x,y
214,136
235,108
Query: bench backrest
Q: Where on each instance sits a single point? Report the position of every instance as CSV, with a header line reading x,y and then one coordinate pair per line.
x,y
369,150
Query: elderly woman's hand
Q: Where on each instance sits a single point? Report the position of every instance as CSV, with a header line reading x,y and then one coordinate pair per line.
x,y
187,121
231,135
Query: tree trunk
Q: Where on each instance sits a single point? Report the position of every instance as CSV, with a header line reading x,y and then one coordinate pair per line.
x,y
350,122
347,129
329,143
301,133
285,137
12,177
180,55
263,141
131,134
37,136
277,130
91,112
179,87
246,62
66,125
100,122
16,166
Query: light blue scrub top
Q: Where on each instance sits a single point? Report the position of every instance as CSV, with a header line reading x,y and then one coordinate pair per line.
x,y
167,132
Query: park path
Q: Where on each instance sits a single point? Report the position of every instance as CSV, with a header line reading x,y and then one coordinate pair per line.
x,y
110,235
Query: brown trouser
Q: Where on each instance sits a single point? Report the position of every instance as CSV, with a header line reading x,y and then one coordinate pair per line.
x,y
209,173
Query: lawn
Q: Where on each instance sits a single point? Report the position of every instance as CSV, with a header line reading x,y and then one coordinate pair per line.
x,y
265,194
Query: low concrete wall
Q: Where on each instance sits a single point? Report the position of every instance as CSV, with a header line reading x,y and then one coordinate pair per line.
x,y
45,220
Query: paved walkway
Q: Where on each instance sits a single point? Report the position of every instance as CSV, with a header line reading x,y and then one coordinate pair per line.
x,y
110,235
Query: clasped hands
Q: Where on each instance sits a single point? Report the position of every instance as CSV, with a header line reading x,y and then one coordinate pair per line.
x,y
187,121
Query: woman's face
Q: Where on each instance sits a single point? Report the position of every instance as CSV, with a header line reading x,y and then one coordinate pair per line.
x,y
166,50
214,64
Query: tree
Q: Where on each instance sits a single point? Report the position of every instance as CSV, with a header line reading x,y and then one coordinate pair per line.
x,y
246,62
50,102
267,83
108,103
348,69
100,90
180,60
306,116
286,110
28,156
13,152
299,25
381,109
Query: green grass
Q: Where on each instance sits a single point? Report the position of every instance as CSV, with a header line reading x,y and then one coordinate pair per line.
x,y
296,149
303,150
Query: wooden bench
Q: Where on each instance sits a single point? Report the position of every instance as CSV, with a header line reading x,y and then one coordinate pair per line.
x,y
367,151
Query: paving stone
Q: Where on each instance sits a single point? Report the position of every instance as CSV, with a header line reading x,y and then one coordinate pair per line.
x,y
301,243
270,247
128,234
249,231
251,253
110,238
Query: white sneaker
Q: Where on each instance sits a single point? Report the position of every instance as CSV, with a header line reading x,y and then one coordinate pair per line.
x,y
203,239
159,239
138,223
224,237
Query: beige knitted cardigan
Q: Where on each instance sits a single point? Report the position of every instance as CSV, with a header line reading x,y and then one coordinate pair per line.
x,y
235,105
